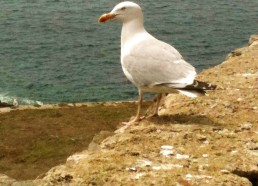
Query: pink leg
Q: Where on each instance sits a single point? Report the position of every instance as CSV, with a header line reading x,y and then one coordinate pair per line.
x,y
155,113
137,117
157,105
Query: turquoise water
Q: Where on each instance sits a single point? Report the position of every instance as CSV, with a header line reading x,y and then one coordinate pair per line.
x,y
56,51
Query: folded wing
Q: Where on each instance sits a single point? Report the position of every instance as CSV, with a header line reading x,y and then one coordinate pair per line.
x,y
153,63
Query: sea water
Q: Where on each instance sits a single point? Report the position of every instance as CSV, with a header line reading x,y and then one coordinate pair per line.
x,y
55,51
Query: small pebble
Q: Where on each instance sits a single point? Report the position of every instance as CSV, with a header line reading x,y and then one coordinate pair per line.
x,y
201,137
158,131
167,147
202,167
205,155
181,156
144,163
188,176
224,171
166,152
167,167
239,99
246,126
195,161
206,142
139,175
233,152
133,169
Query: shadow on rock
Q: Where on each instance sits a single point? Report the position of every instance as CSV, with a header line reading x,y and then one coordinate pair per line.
x,y
183,119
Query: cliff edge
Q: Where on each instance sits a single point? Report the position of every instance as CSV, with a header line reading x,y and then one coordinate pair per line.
x,y
210,140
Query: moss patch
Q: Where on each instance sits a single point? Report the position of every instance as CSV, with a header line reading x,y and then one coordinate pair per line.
x,y
32,141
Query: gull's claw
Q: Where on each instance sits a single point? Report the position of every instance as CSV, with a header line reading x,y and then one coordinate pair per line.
x,y
128,124
152,115
122,129
135,120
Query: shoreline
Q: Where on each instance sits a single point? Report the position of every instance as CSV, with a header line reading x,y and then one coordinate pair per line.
x,y
63,105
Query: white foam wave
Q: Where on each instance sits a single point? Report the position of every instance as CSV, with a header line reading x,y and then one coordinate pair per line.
x,y
6,98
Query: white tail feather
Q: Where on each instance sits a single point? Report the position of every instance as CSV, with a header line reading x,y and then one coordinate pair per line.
x,y
190,93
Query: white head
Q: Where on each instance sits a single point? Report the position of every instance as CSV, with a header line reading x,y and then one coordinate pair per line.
x,y
124,12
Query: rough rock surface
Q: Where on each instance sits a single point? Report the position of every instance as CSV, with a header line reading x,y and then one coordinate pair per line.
x,y
253,40
210,140
3,104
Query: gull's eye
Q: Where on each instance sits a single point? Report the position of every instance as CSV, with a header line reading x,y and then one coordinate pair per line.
x,y
123,8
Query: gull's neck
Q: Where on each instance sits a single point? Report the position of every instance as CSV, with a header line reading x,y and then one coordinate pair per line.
x,y
131,29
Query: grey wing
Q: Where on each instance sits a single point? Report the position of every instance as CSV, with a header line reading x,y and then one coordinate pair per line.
x,y
153,62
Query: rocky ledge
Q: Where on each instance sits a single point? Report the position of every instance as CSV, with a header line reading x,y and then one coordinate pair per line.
x,y
210,140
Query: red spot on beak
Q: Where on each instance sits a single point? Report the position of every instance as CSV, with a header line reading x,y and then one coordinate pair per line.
x,y
106,17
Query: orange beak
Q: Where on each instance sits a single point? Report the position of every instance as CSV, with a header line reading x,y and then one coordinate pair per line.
x,y
106,17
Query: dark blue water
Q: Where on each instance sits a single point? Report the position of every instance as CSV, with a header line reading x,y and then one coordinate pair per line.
x,y
56,51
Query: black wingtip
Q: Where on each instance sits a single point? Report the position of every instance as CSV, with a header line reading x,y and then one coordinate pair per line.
x,y
200,86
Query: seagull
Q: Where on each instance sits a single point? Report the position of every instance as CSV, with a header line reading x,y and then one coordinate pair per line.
x,y
150,64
